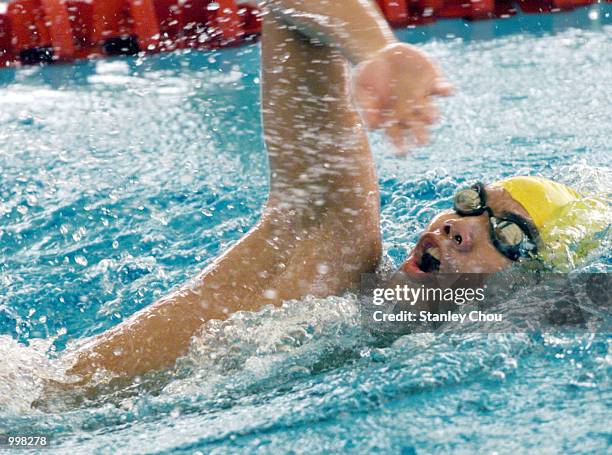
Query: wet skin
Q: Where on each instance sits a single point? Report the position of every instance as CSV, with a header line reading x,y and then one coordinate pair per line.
x,y
463,243
319,230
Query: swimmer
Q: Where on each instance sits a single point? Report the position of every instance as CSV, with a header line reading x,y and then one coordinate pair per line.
x,y
320,229
492,226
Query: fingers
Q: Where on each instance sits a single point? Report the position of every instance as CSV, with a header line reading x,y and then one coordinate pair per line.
x,y
398,98
407,125
441,87
426,113
405,136
421,133
398,135
370,108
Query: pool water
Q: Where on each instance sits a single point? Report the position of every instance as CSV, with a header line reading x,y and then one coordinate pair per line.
x,y
122,178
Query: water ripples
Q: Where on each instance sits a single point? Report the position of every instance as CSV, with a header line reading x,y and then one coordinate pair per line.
x,y
120,179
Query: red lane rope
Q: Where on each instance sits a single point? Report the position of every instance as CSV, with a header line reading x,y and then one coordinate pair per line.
x,y
35,31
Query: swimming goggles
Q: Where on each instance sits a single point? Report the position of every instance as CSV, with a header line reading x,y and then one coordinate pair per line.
x,y
510,234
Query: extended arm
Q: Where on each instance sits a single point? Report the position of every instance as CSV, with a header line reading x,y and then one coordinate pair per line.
x,y
320,228
394,83
355,28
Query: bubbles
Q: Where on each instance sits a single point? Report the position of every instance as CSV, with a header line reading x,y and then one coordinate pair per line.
x,y
81,260
23,374
272,345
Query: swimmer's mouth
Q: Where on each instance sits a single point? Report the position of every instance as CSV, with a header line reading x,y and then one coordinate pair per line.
x,y
430,260
425,258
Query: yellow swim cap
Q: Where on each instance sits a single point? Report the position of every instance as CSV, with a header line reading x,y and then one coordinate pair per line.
x,y
540,197
567,223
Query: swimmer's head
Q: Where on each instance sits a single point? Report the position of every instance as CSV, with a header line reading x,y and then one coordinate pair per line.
x,y
490,227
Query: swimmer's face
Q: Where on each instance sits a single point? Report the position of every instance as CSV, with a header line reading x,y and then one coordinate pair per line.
x,y
462,244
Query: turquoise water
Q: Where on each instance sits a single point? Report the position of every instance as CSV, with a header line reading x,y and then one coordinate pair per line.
x,y
120,179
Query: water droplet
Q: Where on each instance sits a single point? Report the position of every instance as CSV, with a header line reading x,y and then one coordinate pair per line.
x,y
81,260
32,200
499,374
270,294
78,234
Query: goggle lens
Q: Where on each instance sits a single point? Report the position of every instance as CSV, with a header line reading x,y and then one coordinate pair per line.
x,y
508,233
468,201
508,236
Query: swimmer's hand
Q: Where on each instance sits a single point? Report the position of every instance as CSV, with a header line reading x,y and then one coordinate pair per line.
x,y
394,90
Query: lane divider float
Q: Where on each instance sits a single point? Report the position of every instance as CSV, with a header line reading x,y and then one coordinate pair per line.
x,y
47,31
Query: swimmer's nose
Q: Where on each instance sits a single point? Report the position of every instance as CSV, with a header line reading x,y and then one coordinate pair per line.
x,y
461,232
